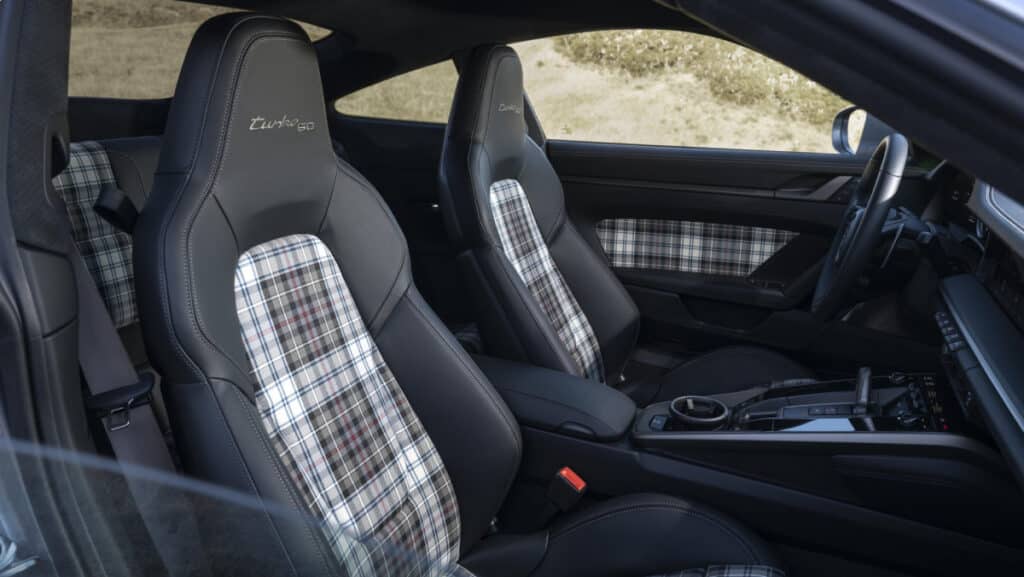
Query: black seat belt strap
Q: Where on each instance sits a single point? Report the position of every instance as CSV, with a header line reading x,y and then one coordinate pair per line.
x,y
117,393
121,399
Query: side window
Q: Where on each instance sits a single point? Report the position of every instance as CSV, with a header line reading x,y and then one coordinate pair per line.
x,y
673,88
423,95
134,48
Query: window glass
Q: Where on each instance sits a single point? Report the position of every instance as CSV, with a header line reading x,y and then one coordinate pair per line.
x,y
423,95
673,88
134,48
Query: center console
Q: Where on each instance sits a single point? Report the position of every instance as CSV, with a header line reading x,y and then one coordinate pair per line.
x,y
892,402
888,457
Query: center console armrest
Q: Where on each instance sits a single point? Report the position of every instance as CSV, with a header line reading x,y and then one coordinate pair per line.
x,y
560,402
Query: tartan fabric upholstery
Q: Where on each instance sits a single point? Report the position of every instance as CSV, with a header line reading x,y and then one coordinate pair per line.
x,y
106,250
336,416
523,245
684,246
730,571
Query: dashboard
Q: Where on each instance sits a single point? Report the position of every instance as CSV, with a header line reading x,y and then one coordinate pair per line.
x,y
981,311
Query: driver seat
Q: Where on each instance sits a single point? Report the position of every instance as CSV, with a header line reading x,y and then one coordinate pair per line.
x,y
542,294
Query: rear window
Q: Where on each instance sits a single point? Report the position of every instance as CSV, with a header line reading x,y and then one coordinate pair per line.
x,y
134,48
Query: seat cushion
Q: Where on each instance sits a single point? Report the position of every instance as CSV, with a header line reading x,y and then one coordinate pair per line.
x,y
727,370
662,535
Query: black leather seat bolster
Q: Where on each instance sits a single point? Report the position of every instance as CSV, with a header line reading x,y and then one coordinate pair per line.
x,y
661,534
228,447
510,318
635,536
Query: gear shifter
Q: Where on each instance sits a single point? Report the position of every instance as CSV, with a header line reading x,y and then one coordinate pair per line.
x,y
863,394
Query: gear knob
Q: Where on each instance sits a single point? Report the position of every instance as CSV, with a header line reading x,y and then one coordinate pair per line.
x,y
863,394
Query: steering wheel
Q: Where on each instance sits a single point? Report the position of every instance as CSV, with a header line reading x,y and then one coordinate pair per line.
x,y
861,228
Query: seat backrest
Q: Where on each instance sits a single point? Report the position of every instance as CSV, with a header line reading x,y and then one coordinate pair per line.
x,y
543,295
300,363
126,164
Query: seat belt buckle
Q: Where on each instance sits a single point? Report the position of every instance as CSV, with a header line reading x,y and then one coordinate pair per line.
x,y
114,407
566,489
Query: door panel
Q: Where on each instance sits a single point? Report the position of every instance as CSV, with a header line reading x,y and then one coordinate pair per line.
x,y
715,246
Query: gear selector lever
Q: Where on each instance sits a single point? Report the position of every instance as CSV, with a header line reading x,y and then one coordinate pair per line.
x,y
863,386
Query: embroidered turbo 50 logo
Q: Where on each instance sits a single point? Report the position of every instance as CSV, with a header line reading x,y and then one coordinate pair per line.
x,y
260,123
514,108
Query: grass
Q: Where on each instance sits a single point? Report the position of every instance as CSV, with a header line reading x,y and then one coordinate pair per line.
x,y
732,73
646,87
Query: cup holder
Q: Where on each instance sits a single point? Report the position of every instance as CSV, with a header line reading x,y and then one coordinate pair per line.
x,y
693,412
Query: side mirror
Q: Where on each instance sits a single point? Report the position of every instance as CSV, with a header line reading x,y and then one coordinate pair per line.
x,y
848,130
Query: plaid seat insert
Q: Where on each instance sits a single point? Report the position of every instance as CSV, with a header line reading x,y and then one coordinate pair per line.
x,y
685,246
336,415
524,247
107,251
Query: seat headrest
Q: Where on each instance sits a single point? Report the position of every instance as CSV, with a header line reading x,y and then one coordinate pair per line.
x,y
248,120
489,111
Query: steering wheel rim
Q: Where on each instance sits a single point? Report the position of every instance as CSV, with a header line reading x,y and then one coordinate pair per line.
x,y
861,227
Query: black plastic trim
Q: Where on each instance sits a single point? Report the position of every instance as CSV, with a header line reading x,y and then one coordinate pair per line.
x,y
996,345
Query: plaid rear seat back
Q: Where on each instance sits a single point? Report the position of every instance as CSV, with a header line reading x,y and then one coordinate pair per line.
x,y
683,246
106,250
523,245
336,416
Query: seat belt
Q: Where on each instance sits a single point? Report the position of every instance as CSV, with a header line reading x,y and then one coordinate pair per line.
x,y
121,398
118,394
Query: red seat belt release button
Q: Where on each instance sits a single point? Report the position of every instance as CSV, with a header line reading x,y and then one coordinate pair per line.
x,y
566,489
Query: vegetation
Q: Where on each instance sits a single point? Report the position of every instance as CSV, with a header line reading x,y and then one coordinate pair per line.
x,y
731,72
